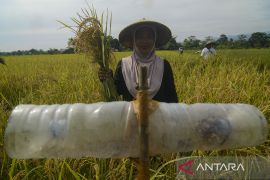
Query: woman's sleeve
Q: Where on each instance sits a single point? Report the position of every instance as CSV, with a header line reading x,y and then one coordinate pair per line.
x,y
118,78
171,91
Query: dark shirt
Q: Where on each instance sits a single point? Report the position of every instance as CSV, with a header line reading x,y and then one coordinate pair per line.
x,y
166,93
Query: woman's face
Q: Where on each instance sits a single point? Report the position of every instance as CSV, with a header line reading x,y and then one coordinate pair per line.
x,y
144,40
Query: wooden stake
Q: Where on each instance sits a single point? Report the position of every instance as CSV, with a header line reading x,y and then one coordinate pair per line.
x,y
142,97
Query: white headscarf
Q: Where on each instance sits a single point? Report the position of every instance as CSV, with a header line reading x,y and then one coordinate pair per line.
x,y
130,69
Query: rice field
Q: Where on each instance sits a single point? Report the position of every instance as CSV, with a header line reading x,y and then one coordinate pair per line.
x,y
233,76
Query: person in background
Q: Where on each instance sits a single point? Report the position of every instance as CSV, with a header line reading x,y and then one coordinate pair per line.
x,y
181,50
143,38
208,50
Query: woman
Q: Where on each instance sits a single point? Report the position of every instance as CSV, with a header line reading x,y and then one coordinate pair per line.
x,y
208,50
143,37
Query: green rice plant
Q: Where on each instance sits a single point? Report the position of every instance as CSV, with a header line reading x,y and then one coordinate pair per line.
x,y
92,38
76,175
11,172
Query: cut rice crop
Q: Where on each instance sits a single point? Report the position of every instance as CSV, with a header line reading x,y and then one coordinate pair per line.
x,y
92,40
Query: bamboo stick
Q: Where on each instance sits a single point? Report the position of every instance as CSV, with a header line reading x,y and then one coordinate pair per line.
x,y
142,97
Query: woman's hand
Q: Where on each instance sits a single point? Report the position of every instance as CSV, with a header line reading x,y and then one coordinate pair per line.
x,y
104,74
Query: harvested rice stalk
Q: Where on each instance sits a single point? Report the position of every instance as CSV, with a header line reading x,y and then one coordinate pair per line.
x,y
92,40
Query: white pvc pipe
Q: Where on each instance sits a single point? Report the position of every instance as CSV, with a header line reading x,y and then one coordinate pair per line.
x,y
108,130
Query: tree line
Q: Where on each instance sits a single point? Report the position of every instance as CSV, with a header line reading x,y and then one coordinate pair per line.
x,y
256,40
37,52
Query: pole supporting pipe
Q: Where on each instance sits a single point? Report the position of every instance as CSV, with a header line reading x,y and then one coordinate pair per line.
x,y
143,114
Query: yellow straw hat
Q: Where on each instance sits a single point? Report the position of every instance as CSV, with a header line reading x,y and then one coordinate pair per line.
x,y
163,33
